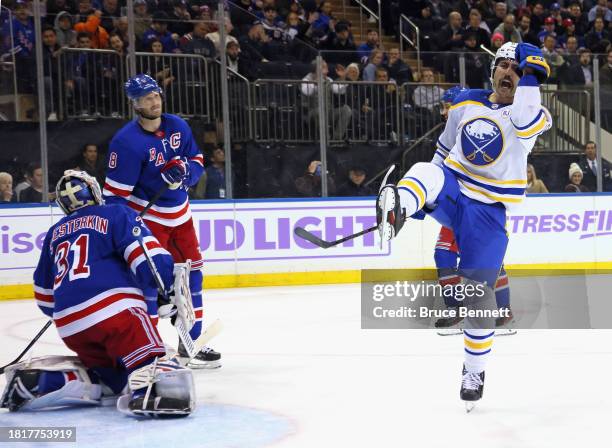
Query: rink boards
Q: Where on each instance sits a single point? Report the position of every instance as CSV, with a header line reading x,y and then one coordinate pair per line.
x,y
251,242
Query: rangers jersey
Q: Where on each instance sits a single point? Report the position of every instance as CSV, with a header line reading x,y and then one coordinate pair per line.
x,y
92,267
486,145
135,160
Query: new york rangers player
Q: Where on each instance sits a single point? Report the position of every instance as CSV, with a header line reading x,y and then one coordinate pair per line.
x,y
89,279
153,150
479,173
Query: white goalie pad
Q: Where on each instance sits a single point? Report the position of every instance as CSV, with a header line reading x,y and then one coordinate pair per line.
x,y
78,392
171,380
181,298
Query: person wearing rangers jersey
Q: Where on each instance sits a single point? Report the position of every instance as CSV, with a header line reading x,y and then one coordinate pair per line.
x,y
478,172
154,150
89,280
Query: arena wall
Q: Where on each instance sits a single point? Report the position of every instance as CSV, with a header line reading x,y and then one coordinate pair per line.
x,y
251,242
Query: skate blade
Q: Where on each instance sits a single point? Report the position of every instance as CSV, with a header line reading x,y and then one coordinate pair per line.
x,y
504,332
451,332
195,364
469,406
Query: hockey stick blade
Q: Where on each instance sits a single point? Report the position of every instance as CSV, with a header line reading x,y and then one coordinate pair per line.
x,y
213,330
32,342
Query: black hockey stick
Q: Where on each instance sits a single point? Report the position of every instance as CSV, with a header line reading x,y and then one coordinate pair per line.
x,y
152,202
306,235
32,342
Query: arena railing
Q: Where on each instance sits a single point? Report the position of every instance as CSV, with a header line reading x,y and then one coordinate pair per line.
x,y
90,84
410,33
571,112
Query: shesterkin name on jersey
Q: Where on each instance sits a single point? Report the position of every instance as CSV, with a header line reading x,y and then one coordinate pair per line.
x,y
96,223
485,145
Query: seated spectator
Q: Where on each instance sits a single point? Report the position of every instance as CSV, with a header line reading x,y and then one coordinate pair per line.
x,y
121,29
497,40
79,74
478,27
549,29
6,188
575,185
450,37
341,114
527,34
309,184
158,67
605,72
179,18
24,184
570,52
372,42
293,25
476,70
374,61
215,175
215,37
66,36
534,185
89,21
570,31
508,30
500,10
325,17
34,192
398,69
352,72
600,10
254,45
159,31
142,18
355,184
235,62
588,165
538,15
554,59
598,39
379,108
196,41
581,74
91,162
110,12
340,46
428,96
579,18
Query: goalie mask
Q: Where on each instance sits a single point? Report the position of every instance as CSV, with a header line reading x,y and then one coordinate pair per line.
x,y
77,189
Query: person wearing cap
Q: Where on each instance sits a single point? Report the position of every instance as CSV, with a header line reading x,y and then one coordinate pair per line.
x,y
549,29
159,31
575,177
497,40
569,30
509,31
340,48
354,185
598,39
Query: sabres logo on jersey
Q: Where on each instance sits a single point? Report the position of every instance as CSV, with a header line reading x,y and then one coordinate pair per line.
x,y
482,141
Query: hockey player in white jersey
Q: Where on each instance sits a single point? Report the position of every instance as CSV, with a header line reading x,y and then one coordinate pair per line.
x,y
477,174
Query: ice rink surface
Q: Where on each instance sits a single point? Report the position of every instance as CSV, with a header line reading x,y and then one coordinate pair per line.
x,y
298,371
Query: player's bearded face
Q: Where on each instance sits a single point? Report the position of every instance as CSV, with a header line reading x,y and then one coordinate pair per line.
x,y
506,78
150,106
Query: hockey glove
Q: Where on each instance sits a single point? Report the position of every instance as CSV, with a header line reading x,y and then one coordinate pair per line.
x,y
166,307
531,56
175,172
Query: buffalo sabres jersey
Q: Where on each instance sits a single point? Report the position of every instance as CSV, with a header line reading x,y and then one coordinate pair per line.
x,y
485,145
135,160
92,267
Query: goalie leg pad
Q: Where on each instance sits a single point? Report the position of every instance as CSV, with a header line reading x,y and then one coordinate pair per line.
x,y
50,382
161,389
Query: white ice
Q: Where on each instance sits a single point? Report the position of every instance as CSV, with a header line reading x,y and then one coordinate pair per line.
x,y
298,371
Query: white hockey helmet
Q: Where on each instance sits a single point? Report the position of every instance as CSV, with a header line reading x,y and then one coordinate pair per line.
x,y
506,51
77,189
